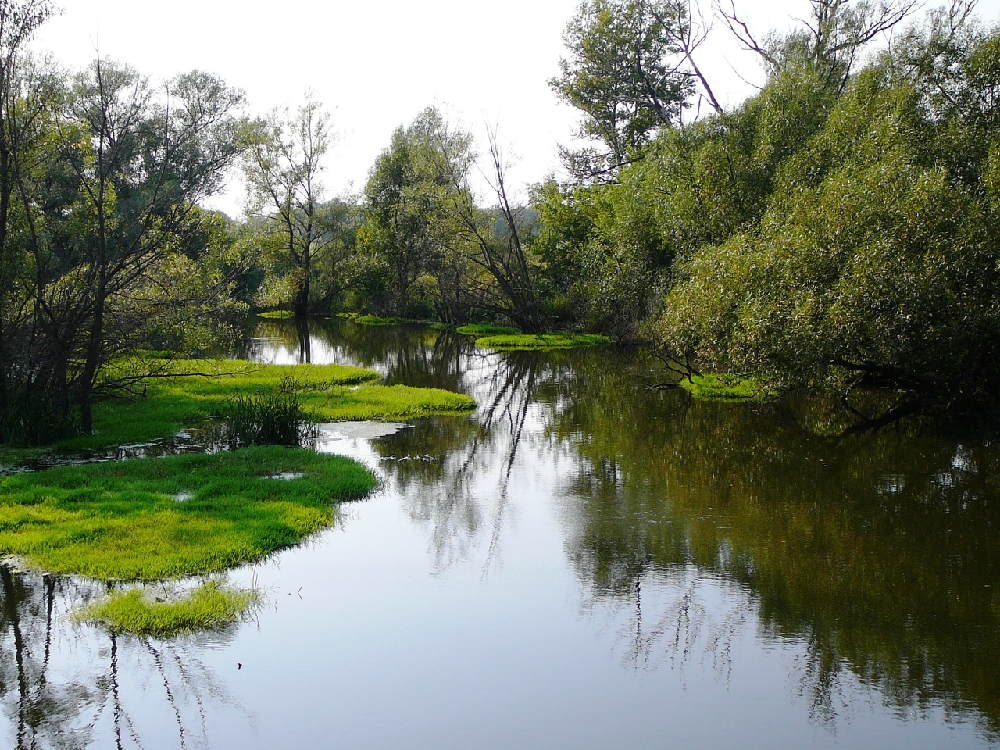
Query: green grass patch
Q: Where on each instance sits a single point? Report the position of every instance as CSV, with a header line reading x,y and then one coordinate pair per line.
x,y
326,393
155,518
726,387
276,314
486,329
513,342
211,606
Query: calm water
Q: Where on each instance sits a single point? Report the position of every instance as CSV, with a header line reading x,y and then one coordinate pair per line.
x,y
585,562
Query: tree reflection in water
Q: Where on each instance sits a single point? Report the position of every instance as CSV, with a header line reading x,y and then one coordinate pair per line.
x,y
878,550
62,685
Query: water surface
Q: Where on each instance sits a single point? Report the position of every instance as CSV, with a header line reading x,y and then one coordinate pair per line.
x,y
585,562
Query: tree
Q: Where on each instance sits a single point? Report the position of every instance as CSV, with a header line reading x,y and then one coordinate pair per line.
x,y
283,164
19,19
624,72
409,230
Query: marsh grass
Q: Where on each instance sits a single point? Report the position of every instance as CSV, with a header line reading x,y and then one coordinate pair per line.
x,y
521,341
325,393
486,329
264,418
156,518
726,387
211,606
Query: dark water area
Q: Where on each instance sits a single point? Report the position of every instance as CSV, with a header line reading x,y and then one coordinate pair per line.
x,y
584,562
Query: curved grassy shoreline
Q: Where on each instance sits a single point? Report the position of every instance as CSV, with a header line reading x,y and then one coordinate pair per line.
x,y
156,518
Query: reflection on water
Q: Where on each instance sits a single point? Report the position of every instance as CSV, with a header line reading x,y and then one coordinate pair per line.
x,y
584,562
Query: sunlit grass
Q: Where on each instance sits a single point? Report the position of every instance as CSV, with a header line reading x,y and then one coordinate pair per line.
x,y
276,314
157,518
726,387
326,393
211,606
510,342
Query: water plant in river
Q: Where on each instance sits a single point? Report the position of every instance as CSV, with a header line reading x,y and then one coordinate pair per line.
x,y
726,387
511,342
268,418
149,519
325,393
138,611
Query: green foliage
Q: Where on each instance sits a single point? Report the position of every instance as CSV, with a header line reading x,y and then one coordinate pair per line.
x,y
211,606
176,516
618,75
276,314
527,341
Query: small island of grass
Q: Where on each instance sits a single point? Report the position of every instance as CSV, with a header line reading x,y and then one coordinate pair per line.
x,y
211,606
522,341
726,387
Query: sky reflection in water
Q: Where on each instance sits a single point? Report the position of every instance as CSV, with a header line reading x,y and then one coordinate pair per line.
x,y
584,563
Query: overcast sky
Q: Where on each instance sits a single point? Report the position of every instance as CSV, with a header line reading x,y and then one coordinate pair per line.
x,y
376,64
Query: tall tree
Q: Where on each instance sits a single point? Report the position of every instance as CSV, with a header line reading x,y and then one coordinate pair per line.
x,y
283,164
625,72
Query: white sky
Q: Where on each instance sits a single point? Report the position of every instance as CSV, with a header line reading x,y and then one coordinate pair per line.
x,y
376,64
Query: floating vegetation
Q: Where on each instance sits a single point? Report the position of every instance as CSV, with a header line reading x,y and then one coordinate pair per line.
x,y
139,611
726,387
276,314
512,342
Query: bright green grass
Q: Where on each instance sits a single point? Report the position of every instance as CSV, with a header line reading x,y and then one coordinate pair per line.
x,y
485,329
155,518
276,314
512,342
211,606
326,393
726,387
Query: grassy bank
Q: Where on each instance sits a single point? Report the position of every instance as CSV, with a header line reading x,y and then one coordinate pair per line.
x,y
520,341
326,393
156,518
211,606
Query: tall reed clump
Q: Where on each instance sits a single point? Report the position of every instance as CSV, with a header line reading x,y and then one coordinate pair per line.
x,y
264,417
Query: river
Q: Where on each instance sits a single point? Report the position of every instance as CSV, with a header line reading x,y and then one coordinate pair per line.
x,y
584,562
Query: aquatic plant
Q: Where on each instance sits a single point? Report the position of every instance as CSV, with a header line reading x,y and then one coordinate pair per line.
x,y
264,418
211,606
